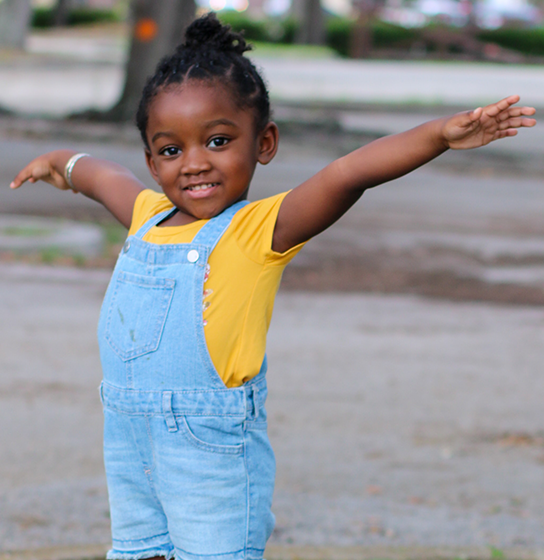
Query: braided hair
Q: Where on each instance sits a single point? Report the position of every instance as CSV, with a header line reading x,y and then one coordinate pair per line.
x,y
211,51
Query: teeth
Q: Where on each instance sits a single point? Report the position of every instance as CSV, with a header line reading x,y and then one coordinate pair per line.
x,y
201,187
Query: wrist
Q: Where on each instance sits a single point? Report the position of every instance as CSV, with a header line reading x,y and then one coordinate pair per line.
x,y
59,158
69,167
440,134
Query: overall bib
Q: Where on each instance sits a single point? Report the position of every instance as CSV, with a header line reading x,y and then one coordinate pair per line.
x,y
189,465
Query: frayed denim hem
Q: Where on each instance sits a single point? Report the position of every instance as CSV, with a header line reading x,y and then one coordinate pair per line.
x,y
168,553
243,554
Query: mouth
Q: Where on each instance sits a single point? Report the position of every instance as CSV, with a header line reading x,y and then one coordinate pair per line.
x,y
203,187
202,190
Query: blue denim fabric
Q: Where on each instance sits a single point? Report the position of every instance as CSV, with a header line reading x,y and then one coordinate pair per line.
x,y
189,465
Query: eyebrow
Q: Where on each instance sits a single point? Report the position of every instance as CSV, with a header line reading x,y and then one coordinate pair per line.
x,y
218,122
211,124
159,135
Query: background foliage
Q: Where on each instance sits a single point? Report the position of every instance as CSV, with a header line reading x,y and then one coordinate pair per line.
x,y
338,31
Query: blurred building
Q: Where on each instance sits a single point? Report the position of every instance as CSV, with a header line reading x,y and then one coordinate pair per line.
x,y
487,14
99,4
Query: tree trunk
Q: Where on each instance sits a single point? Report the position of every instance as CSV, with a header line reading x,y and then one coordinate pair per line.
x,y
14,22
157,28
361,37
309,15
62,11
362,40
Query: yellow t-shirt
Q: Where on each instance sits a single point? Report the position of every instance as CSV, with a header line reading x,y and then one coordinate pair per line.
x,y
244,276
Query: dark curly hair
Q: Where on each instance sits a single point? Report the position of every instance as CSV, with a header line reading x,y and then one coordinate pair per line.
x,y
211,51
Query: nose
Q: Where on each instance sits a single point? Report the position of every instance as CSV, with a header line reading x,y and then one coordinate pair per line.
x,y
195,161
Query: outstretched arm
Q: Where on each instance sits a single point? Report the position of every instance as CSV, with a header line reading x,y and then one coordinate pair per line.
x,y
108,183
321,200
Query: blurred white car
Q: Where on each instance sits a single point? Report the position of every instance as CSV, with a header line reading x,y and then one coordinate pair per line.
x,y
398,13
421,12
492,14
488,14
450,12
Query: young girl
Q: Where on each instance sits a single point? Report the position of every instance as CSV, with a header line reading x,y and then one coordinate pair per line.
x,y
183,325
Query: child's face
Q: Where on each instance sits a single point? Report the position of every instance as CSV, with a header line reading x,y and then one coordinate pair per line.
x,y
203,148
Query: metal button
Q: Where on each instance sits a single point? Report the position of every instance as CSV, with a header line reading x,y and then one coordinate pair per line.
x,y
126,246
192,256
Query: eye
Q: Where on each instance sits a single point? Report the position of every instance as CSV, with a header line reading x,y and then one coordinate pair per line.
x,y
218,142
170,151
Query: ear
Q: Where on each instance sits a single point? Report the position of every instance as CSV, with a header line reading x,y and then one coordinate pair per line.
x,y
268,143
151,166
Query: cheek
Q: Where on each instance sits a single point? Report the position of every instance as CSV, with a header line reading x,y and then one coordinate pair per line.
x,y
168,171
243,164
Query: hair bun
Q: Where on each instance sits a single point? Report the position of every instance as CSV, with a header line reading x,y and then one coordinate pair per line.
x,y
207,32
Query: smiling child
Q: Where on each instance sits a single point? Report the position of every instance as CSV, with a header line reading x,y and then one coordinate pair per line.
x,y
183,325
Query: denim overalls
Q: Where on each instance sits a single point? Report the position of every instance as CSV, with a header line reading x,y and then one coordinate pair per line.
x,y
189,465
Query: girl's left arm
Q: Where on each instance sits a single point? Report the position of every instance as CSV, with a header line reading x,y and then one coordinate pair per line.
x,y
321,200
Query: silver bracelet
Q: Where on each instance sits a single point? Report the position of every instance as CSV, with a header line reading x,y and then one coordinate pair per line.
x,y
70,167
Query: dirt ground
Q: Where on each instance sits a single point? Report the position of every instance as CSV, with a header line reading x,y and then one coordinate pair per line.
x,y
405,364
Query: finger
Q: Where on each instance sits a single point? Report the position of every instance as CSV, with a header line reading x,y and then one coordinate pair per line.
x,y
517,122
528,111
496,108
22,177
528,123
516,112
505,133
476,114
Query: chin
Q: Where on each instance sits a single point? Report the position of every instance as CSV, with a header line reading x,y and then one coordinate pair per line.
x,y
207,213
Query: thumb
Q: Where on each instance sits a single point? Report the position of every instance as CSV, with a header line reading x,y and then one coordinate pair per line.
x,y
476,114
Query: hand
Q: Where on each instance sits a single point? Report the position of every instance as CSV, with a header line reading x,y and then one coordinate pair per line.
x,y
473,129
46,168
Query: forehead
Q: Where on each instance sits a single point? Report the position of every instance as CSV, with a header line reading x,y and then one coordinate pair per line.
x,y
194,104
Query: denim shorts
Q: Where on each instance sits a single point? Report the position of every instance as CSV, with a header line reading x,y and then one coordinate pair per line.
x,y
184,484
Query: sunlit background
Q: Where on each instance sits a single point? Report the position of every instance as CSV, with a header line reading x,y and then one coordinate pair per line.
x,y
470,29
488,14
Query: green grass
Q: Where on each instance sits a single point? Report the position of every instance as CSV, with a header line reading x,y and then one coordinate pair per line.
x,y
50,254
114,237
25,231
291,51
115,234
526,41
45,17
496,553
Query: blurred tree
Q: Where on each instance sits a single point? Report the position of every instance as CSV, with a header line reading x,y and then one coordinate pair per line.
x,y
311,25
62,11
361,41
14,22
157,28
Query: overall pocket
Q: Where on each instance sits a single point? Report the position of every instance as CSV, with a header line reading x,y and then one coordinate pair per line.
x,y
215,434
137,313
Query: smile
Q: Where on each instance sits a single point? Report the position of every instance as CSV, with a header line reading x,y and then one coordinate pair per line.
x,y
201,187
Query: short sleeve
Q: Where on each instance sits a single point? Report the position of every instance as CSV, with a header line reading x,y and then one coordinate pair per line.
x,y
253,229
148,204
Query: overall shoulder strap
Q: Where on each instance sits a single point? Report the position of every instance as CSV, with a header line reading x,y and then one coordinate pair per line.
x,y
154,220
212,231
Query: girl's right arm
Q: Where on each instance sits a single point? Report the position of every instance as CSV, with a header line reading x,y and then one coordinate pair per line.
x,y
111,184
